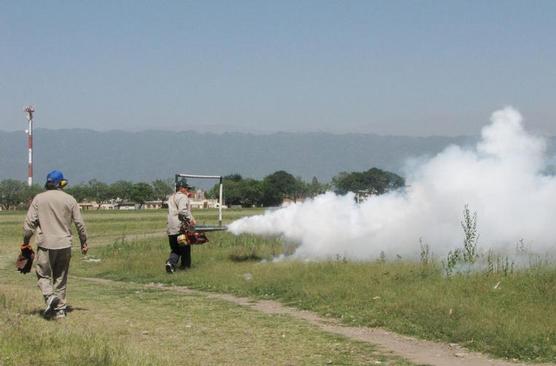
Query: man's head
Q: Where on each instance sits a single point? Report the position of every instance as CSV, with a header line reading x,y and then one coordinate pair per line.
x,y
55,179
182,186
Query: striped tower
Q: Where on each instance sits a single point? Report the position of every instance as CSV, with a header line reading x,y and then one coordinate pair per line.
x,y
29,110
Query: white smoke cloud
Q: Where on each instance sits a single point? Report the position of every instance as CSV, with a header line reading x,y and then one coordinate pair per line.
x,y
501,179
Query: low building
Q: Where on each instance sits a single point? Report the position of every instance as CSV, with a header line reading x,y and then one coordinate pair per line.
x,y
127,206
197,201
288,201
204,203
108,206
85,206
153,205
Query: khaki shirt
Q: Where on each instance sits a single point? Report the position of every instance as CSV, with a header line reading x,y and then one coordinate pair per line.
x,y
178,203
51,215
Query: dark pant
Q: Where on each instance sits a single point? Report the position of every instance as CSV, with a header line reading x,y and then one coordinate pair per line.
x,y
179,251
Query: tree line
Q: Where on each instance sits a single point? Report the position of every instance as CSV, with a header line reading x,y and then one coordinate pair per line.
x,y
270,191
238,191
14,193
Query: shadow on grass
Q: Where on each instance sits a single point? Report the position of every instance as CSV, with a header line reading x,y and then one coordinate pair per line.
x,y
244,257
40,311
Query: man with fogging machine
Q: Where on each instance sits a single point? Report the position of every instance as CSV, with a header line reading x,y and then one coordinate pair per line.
x,y
179,212
50,215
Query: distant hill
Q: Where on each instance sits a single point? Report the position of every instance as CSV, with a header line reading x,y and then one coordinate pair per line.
x,y
145,156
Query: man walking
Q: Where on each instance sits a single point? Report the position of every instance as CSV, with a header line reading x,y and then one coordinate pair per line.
x,y
178,212
50,215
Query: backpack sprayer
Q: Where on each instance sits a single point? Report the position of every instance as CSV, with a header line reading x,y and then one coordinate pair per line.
x,y
195,234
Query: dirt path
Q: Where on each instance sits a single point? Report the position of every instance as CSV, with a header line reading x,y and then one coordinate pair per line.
x,y
415,350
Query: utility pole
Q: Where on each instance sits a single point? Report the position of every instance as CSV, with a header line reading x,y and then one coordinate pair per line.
x,y
29,110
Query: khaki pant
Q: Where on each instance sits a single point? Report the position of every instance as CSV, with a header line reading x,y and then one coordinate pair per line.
x,y
52,273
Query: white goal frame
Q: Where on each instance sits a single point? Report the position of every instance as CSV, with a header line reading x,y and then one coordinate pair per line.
x,y
220,190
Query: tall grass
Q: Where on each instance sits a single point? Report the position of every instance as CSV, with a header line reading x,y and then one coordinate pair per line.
x,y
507,314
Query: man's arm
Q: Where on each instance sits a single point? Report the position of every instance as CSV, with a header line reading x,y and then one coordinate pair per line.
x,y
80,226
183,209
31,222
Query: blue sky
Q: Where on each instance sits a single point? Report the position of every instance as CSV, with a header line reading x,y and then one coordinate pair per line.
x,y
386,67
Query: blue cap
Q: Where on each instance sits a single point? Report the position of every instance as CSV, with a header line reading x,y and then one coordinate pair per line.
x,y
54,177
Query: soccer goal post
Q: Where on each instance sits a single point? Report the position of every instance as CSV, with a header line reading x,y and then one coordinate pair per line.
x,y
220,189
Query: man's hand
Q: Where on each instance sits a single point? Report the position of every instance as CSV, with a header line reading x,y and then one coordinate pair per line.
x,y
84,248
193,222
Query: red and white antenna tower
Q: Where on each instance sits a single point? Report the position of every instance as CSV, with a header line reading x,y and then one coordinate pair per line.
x,y
29,110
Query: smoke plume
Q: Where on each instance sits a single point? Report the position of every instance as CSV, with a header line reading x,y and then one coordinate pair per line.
x,y
501,179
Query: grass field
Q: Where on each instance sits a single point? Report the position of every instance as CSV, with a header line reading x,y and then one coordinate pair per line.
x,y
124,323
506,314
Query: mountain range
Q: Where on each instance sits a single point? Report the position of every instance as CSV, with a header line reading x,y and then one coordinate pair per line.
x,y
148,155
